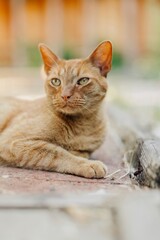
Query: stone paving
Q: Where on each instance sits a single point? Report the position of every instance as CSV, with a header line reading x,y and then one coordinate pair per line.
x,y
14,180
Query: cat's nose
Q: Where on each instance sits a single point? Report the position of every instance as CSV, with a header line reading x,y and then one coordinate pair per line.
x,y
66,97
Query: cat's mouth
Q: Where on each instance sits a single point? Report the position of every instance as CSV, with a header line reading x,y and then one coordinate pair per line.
x,y
69,107
65,104
71,104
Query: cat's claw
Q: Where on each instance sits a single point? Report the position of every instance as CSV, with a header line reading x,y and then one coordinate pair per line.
x,y
93,169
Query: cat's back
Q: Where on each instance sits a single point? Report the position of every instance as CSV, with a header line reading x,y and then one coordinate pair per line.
x,y
9,108
9,104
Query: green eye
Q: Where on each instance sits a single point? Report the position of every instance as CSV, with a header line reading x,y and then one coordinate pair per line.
x,y
83,81
55,82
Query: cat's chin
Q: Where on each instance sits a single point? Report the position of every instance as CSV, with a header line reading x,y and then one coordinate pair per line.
x,y
70,110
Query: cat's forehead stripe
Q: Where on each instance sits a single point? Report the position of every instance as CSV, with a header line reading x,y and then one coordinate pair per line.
x,y
74,71
62,71
70,68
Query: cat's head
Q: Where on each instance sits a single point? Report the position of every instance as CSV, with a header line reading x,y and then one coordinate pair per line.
x,y
78,85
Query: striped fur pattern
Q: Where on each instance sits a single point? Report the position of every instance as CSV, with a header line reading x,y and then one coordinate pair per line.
x,y
60,131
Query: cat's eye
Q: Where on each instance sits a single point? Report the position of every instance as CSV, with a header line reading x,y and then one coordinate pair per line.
x,y
55,82
83,81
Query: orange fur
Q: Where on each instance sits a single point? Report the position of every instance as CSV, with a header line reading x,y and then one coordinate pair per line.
x,y
60,131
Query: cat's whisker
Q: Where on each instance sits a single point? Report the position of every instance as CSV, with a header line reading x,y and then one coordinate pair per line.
x,y
74,104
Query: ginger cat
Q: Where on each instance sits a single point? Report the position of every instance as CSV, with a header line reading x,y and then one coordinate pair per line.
x,y
60,131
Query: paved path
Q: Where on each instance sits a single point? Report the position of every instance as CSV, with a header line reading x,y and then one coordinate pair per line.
x,y
14,180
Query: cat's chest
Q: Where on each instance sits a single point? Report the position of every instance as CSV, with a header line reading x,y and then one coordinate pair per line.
x,y
80,136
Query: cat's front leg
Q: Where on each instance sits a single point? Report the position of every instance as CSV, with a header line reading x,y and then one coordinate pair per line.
x,y
38,154
82,167
80,154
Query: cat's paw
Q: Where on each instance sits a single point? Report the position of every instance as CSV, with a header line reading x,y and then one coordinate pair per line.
x,y
93,169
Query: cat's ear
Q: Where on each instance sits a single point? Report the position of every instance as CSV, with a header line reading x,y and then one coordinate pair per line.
x,y
101,57
48,57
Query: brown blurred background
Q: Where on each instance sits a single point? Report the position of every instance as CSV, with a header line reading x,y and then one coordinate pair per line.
x,y
73,28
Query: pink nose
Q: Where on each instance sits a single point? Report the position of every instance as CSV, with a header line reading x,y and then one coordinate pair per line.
x,y
66,97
